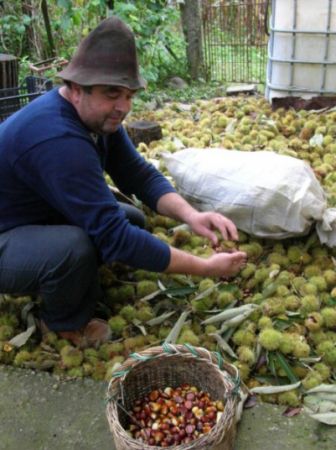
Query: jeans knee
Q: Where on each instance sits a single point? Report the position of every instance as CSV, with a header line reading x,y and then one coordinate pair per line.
x,y
82,249
70,251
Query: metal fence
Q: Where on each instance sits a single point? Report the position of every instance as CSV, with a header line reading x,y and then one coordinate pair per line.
x,y
234,35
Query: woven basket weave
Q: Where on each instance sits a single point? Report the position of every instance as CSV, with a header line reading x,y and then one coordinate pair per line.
x,y
173,365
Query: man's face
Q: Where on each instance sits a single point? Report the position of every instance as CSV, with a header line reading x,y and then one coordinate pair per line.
x,y
104,108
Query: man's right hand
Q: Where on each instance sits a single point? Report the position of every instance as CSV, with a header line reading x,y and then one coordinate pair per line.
x,y
223,265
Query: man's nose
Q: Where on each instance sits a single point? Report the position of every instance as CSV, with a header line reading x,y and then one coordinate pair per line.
x,y
123,104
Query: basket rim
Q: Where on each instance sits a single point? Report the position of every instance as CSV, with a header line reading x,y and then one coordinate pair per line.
x,y
187,350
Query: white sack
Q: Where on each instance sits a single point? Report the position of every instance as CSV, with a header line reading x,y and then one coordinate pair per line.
x,y
263,193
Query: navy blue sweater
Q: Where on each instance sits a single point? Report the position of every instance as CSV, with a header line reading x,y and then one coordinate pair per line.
x,y
51,172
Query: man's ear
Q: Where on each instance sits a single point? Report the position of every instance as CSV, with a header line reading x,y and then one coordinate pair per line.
x,y
76,92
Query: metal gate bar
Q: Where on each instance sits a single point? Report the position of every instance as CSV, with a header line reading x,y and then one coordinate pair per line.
x,y
234,40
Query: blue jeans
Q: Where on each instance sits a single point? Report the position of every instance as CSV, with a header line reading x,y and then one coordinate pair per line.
x,y
58,262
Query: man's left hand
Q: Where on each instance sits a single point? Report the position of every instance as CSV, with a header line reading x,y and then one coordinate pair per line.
x,y
203,223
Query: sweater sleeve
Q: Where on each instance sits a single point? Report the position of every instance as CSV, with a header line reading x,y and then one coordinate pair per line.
x,y
131,173
67,174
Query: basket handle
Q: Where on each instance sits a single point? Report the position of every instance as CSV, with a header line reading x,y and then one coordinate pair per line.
x,y
187,349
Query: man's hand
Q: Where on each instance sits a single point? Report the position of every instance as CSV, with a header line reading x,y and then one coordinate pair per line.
x,y
224,265
203,223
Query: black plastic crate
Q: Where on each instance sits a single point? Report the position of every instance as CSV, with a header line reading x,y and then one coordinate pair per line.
x,y
13,99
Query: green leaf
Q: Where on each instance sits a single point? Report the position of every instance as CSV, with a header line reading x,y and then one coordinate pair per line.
x,y
223,345
76,18
266,379
331,301
64,3
180,291
166,305
175,331
160,319
275,389
327,418
206,292
283,324
27,316
286,368
269,290
26,19
328,388
65,22
271,364
20,29
230,287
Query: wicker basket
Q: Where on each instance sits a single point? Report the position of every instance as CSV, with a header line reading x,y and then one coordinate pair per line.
x,y
173,365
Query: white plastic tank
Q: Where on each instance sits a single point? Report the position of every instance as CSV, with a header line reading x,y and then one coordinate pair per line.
x,y
302,49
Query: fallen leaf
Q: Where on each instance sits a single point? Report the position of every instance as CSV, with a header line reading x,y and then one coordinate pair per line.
x,y
251,402
292,411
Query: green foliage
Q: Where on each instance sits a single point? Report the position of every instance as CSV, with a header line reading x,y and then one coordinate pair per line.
x,y
159,37
13,28
156,25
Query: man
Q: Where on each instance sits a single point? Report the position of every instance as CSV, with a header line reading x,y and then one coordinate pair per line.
x,y
58,217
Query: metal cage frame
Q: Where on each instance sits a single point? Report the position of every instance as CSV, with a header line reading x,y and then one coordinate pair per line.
x,y
234,40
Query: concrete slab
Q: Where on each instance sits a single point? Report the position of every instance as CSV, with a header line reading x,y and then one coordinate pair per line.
x,y
38,412
242,89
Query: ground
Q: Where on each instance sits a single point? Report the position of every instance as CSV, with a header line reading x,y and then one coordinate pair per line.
x,y
39,412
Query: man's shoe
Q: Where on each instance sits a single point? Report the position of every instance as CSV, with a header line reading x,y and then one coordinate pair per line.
x,y
95,333
75,337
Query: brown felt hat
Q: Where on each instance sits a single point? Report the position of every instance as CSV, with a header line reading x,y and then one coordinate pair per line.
x,y
106,56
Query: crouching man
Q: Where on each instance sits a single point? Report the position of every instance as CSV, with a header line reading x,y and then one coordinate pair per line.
x,y
58,217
